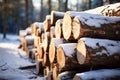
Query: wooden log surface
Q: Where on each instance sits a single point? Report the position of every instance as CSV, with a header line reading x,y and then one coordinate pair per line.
x,y
47,23
52,32
98,52
46,61
53,48
96,26
58,28
46,41
66,56
112,10
55,15
106,74
37,40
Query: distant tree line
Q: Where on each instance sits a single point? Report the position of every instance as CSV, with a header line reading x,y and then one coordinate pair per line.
x,y
19,14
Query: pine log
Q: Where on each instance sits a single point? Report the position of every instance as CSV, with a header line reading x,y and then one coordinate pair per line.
x,y
40,29
67,24
29,40
96,26
58,28
66,56
112,10
53,48
46,41
98,52
37,40
46,71
47,23
103,74
50,75
55,72
55,15
46,61
40,52
52,32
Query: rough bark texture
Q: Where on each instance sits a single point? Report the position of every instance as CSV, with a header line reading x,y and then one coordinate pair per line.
x,y
98,52
55,15
96,26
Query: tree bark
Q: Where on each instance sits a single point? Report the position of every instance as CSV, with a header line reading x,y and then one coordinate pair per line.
x,y
55,15
98,52
58,28
96,26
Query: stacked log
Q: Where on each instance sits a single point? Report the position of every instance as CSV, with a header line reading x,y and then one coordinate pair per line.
x,y
74,42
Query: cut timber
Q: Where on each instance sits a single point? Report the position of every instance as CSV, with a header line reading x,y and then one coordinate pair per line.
x,y
53,48
55,72
96,26
46,61
52,32
103,74
98,52
40,29
55,15
67,24
35,26
46,41
37,40
22,33
47,23
39,67
66,56
58,28
112,10
29,40
39,52
46,71
50,75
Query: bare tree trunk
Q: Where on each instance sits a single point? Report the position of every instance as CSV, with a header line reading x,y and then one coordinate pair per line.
x,y
4,18
26,13
49,6
41,12
66,4
31,11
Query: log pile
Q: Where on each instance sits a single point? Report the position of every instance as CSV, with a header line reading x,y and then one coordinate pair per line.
x,y
75,42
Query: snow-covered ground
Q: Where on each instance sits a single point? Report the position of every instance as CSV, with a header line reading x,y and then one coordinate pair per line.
x,y
12,58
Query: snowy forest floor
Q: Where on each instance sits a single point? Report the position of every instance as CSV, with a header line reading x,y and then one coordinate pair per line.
x,y
12,59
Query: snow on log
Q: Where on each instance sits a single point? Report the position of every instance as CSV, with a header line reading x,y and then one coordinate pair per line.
x,y
96,52
58,28
46,41
29,40
35,26
55,42
96,26
55,15
28,30
112,10
22,33
66,56
67,75
47,23
37,40
103,74
40,29
52,32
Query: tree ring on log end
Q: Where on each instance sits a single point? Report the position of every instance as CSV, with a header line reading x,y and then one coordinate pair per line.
x,y
67,26
81,52
60,57
52,52
76,28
